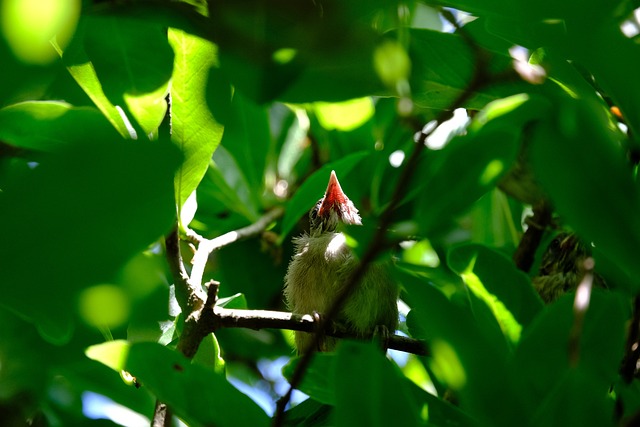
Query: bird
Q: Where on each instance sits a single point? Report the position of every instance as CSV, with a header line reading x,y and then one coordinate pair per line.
x,y
320,269
561,268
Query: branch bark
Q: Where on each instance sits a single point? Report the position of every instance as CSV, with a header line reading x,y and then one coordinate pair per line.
x,y
220,317
207,246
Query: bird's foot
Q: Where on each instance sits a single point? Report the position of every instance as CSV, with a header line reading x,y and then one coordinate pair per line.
x,y
318,319
381,335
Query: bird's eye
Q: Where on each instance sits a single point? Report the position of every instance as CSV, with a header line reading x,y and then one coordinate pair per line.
x,y
314,212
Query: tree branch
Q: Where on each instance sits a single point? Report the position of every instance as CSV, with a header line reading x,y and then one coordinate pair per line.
x,y
207,246
219,317
190,297
198,323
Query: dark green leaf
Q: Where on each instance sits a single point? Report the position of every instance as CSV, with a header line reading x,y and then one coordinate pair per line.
x,y
247,139
134,63
578,160
171,377
319,381
50,125
388,401
542,360
469,353
90,206
467,168
500,277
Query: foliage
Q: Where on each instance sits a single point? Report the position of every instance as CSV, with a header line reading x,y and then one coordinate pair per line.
x,y
266,98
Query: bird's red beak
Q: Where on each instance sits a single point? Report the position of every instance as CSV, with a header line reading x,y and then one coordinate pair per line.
x,y
333,196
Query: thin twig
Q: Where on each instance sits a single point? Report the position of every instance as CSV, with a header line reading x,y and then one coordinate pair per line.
x,y
190,297
378,243
207,246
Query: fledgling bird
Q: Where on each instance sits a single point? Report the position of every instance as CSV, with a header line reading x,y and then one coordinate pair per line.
x,y
321,266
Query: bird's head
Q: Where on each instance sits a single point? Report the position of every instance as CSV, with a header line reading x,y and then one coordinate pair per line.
x,y
332,209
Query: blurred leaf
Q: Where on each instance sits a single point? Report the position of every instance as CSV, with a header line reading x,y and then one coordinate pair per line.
x,y
313,189
193,128
468,167
565,404
502,281
103,202
325,56
442,67
247,139
261,284
344,116
226,187
581,166
469,353
171,377
388,401
26,358
542,358
133,61
319,381
611,67
309,413
22,81
50,125
81,69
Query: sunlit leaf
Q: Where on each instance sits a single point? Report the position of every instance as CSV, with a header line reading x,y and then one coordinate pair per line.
x,y
194,129
50,125
133,61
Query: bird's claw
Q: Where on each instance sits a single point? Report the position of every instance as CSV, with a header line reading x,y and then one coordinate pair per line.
x,y
381,335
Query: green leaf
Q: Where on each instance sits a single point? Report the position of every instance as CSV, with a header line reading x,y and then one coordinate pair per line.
x,y
313,189
50,125
501,281
326,56
94,205
80,68
248,140
194,129
580,164
309,413
235,301
469,352
208,354
542,358
171,377
442,68
464,170
389,399
232,187
319,380
26,358
133,60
